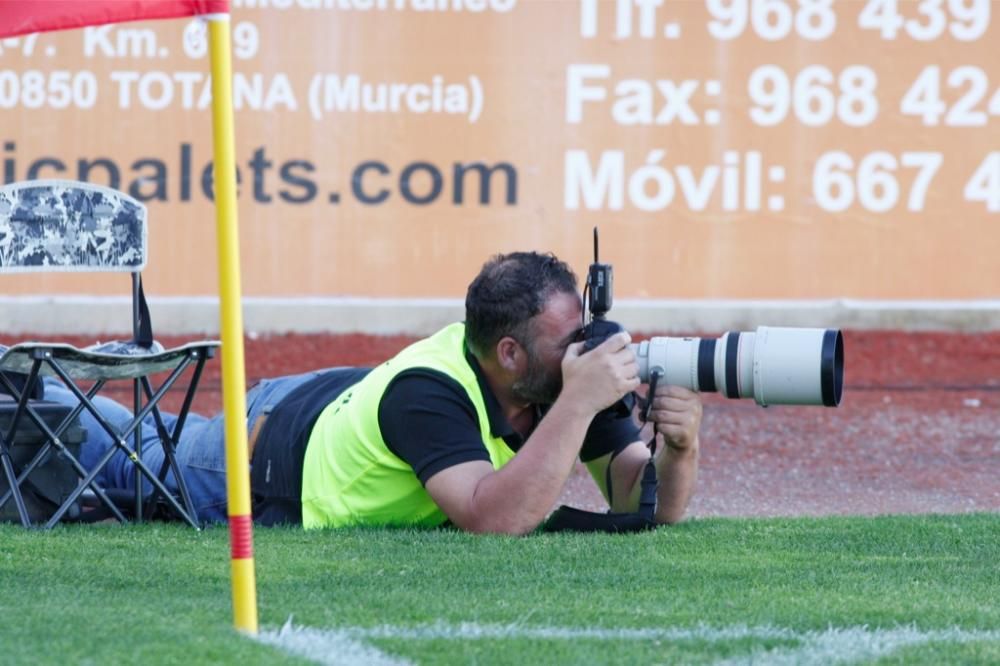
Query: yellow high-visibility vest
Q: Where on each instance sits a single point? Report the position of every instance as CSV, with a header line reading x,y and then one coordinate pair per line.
x,y
350,477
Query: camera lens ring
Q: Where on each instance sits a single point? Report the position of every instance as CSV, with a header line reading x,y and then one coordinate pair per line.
x,y
706,365
732,364
832,367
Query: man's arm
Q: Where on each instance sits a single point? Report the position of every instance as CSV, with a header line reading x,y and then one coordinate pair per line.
x,y
517,497
676,413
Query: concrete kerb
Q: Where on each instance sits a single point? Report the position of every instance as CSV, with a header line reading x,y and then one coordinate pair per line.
x,y
85,315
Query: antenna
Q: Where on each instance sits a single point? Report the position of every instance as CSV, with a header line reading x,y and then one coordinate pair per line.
x,y
599,284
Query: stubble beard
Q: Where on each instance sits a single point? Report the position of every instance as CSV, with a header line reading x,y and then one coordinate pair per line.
x,y
537,385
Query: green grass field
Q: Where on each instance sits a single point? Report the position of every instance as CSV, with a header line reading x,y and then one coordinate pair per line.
x,y
906,589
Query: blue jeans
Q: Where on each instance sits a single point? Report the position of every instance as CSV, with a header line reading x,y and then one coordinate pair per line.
x,y
201,454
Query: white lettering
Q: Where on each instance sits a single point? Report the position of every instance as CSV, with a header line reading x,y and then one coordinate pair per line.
x,y
588,18
97,39
474,6
456,99
111,42
349,93
124,81
730,180
662,181
675,102
577,92
603,189
653,185
157,90
418,98
697,193
188,81
636,101
634,105
341,96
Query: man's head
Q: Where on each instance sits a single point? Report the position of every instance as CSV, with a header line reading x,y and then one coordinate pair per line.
x,y
522,310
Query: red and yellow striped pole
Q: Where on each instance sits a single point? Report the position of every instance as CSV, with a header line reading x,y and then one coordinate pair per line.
x,y
233,371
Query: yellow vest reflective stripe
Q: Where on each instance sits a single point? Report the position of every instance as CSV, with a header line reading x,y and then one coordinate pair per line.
x,y
349,476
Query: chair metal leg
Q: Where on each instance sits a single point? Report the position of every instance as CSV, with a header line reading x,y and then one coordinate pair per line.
x,y
120,436
15,490
136,407
173,439
53,440
179,427
84,483
143,469
80,471
8,460
169,442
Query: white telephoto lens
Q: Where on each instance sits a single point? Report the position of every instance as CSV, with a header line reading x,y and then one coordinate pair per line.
x,y
774,366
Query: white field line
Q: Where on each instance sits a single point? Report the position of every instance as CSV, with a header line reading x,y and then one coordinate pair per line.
x,y
330,647
854,644
346,646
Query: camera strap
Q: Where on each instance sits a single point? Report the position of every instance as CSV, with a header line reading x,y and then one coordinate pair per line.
x,y
570,519
649,483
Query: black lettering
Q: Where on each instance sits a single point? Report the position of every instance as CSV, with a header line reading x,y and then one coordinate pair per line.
x,y
288,176
83,168
185,178
150,178
208,181
158,178
8,163
259,164
407,191
37,166
485,176
357,185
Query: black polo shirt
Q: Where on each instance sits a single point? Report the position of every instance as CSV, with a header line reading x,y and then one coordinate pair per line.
x,y
428,421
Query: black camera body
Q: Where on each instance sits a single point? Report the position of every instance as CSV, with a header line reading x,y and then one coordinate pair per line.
x,y
599,296
599,292
597,301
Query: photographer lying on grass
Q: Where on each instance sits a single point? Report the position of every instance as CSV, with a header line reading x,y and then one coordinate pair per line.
x,y
478,425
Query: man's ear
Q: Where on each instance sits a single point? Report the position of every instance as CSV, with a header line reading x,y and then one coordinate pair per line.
x,y
509,354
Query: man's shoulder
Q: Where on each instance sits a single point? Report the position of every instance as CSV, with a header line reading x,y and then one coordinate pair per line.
x,y
425,386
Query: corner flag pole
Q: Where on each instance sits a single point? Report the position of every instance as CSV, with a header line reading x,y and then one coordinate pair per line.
x,y
233,372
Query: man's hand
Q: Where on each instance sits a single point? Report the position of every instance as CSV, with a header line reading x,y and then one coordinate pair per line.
x,y
676,415
599,378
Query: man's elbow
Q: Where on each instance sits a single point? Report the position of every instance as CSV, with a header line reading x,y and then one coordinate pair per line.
x,y
516,531
480,519
482,513
497,525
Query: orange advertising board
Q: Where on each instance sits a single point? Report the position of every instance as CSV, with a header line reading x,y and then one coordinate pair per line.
x,y
748,149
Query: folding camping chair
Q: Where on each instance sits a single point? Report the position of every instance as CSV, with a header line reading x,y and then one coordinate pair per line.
x,y
59,225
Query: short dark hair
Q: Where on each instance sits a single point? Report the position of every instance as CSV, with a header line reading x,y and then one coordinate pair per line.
x,y
510,290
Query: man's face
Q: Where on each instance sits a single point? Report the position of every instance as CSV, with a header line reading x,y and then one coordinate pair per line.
x,y
551,332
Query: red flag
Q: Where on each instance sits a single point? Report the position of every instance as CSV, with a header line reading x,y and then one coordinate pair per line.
x,y
20,17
